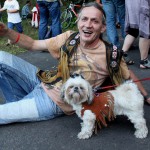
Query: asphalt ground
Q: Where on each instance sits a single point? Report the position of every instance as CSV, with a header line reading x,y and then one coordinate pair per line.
x,y
61,133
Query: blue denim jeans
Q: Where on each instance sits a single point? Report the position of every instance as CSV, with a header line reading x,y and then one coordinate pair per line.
x,y
49,15
25,99
111,7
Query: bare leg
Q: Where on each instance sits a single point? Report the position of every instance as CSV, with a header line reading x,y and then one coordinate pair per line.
x,y
144,45
129,39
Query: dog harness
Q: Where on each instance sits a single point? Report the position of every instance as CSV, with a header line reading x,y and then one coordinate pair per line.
x,y
102,106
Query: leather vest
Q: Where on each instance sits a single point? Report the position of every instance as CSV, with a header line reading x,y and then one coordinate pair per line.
x,y
113,55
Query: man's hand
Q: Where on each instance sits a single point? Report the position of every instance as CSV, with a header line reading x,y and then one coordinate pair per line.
x,y
66,108
147,99
3,29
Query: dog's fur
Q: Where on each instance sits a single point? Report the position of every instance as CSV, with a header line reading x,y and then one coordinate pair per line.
x,y
127,101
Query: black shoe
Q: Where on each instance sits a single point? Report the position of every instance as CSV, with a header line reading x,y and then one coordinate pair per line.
x,y
127,59
145,64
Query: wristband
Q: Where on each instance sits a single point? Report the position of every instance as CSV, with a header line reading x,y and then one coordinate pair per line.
x,y
18,38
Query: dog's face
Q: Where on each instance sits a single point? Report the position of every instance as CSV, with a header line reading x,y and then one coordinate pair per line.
x,y
76,90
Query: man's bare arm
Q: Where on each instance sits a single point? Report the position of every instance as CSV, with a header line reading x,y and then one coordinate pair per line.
x,y
13,11
2,9
140,86
22,40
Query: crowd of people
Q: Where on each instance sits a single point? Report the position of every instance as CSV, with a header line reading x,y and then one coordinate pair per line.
x,y
34,95
137,23
134,19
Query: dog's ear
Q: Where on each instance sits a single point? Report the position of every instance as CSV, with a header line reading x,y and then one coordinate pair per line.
x,y
62,92
90,94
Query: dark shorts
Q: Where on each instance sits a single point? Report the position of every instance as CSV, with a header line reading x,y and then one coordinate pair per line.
x,y
133,32
17,25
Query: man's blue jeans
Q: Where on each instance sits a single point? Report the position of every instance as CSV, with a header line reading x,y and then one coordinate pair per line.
x,y
49,15
111,7
25,99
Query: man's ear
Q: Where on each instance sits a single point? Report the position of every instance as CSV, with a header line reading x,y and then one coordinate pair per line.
x,y
77,24
103,29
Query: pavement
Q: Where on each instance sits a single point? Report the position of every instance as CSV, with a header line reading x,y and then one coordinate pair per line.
x,y
61,133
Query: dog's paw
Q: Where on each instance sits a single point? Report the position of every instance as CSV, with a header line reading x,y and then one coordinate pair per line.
x,y
142,133
84,135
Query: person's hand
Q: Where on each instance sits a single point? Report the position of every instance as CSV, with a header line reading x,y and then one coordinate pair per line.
x,y
147,99
3,29
61,3
66,108
99,2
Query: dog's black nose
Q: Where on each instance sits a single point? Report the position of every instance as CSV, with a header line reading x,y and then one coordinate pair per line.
x,y
75,88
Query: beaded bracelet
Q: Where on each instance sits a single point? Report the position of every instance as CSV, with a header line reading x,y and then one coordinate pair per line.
x,y
18,38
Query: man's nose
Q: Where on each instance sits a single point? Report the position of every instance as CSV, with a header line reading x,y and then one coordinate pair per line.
x,y
88,23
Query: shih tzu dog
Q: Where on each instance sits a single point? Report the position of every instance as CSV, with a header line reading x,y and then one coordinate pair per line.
x,y
126,99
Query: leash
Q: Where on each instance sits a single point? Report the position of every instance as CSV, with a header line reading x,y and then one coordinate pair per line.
x,y
111,86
